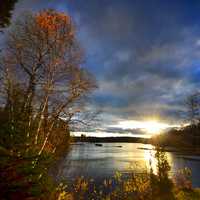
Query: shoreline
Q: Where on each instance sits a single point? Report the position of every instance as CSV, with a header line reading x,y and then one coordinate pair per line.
x,y
111,140
186,150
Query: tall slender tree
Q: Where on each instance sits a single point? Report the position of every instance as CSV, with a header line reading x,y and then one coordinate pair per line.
x,y
44,78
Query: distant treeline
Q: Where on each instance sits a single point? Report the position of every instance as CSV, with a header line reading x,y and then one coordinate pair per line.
x,y
188,136
110,139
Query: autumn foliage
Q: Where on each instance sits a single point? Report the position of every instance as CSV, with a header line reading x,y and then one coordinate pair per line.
x,y
52,21
43,88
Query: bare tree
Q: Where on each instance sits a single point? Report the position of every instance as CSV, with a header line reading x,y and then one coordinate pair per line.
x,y
193,105
43,61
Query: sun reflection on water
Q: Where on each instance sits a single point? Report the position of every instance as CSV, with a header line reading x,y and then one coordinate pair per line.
x,y
151,161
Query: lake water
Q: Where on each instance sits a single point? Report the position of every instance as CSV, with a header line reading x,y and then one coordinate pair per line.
x,y
100,162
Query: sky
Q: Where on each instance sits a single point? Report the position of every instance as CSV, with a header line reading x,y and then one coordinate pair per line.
x,y
144,54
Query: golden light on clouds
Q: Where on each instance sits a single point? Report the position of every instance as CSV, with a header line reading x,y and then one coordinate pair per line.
x,y
150,126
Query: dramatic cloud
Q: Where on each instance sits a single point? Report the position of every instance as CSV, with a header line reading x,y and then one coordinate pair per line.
x,y
145,54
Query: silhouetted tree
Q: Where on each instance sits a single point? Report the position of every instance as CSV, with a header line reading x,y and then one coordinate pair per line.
x,y
193,104
6,8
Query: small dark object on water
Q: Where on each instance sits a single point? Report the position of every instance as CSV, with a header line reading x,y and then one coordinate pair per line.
x,y
99,145
119,146
78,143
144,148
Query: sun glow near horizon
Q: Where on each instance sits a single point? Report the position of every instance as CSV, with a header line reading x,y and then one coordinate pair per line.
x,y
151,127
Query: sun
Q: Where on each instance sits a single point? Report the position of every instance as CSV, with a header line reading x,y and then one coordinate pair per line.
x,y
153,127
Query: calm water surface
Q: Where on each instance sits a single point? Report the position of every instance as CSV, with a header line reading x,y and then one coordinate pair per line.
x,y
102,162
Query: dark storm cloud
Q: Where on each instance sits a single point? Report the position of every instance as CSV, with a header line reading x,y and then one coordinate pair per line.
x,y
145,54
